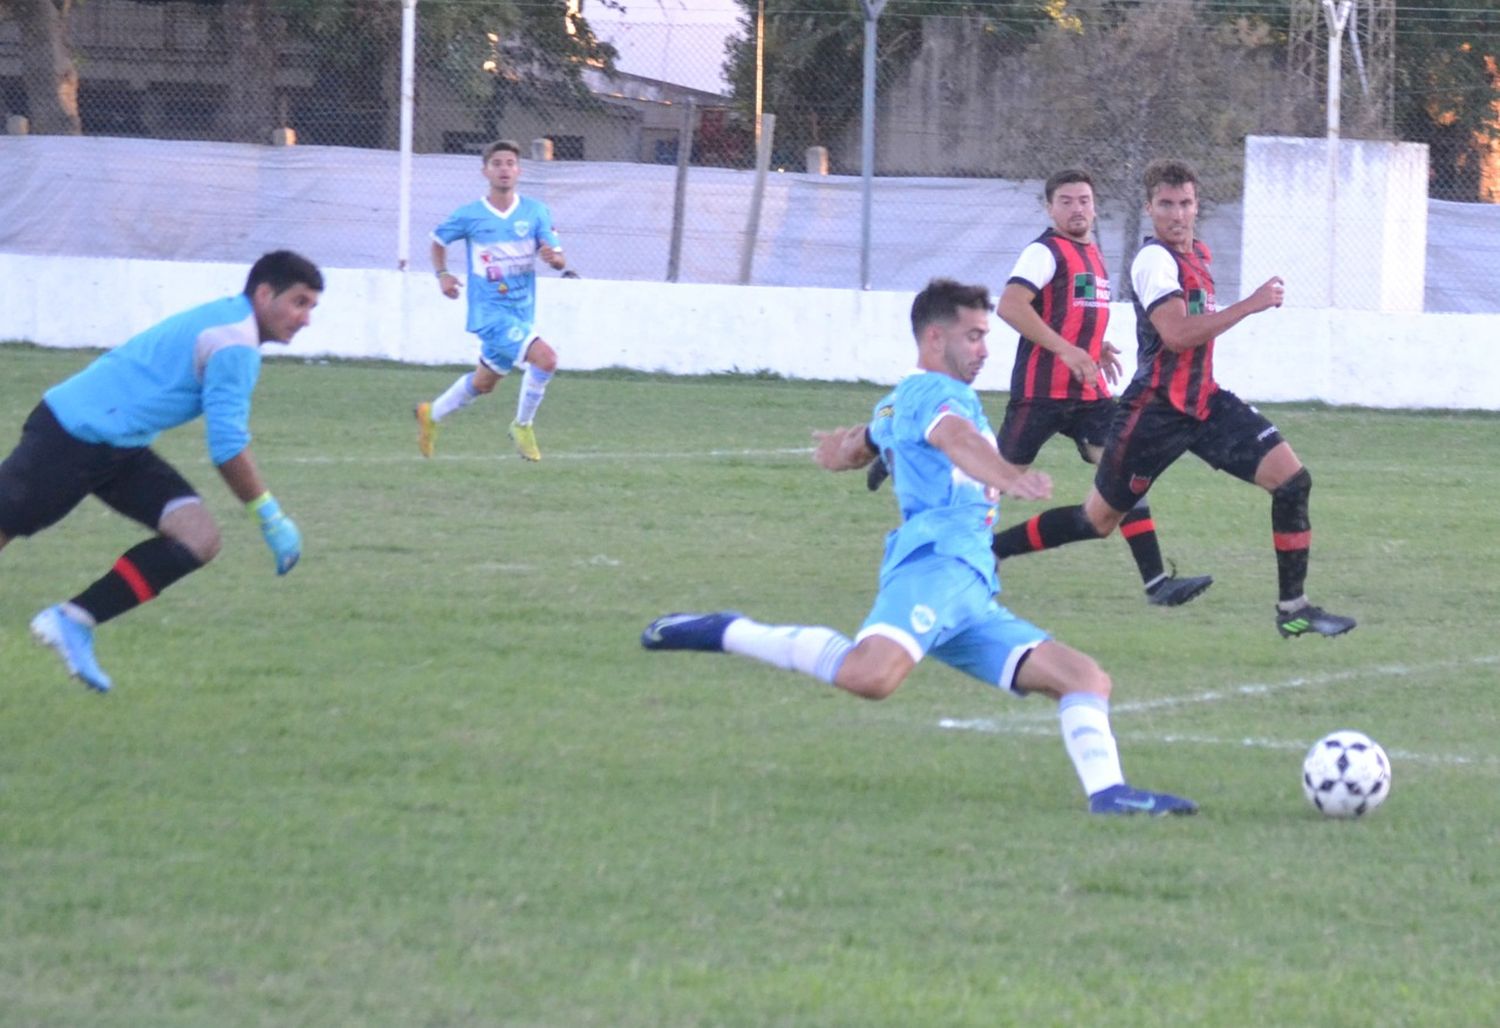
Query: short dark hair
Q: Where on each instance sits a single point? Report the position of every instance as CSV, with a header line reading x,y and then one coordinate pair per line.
x,y
282,269
1067,177
1168,171
498,145
941,300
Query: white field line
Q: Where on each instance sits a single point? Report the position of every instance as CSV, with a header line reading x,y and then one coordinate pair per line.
x,y
551,456
1045,724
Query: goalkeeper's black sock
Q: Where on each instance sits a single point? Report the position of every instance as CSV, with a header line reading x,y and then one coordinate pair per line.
x,y
139,575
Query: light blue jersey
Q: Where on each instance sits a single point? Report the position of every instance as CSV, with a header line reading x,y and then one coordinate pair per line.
x,y
937,582
203,361
942,508
502,248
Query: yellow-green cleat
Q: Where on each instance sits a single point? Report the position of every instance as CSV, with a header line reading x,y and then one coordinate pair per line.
x,y
525,439
426,429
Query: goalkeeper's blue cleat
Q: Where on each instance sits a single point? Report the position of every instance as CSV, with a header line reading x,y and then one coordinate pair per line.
x,y
74,643
688,631
1122,799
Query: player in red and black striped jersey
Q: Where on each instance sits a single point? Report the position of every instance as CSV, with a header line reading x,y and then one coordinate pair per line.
x,y
1173,405
1057,298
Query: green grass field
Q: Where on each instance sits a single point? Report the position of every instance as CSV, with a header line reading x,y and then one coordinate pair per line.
x,y
431,778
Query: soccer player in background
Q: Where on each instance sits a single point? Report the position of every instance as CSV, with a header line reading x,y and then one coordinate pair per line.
x,y
504,234
937,580
92,434
1057,298
1174,406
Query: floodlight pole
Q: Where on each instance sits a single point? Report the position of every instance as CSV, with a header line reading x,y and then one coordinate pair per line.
x,y
1337,12
760,66
872,10
408,101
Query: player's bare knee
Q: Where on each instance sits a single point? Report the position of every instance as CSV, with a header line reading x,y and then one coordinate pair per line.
x,y
1097,682
541,356
868,683
1103,523
190,524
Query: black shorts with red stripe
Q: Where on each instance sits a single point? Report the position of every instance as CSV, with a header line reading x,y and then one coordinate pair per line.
x,y
50,472
1029,423
1148,434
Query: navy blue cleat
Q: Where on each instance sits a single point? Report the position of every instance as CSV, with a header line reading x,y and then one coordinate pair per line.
x,y
1122,799
74,643
688,631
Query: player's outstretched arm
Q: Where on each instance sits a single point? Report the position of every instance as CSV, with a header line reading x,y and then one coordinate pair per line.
x,y
279,531
843,449
1180,330
975,455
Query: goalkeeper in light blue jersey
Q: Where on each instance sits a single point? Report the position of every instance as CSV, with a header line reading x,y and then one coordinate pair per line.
x,y
504,235
937,578
92,434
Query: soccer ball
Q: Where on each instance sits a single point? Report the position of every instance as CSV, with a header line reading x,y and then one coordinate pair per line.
x,y
1346,774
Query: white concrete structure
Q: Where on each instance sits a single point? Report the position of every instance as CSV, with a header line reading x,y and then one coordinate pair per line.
x,y
1338,356
1351,233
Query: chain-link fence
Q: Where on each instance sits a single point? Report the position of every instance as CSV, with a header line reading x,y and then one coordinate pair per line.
x,y
975,103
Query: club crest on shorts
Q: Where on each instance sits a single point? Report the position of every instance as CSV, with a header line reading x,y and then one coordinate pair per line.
x,y
1139,484
923,618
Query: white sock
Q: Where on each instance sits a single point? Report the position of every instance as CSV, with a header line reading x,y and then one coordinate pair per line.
x,y
1090,741
458,396
73,612
533,385
812,650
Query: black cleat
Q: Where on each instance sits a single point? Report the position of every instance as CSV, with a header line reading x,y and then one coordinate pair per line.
x,y
877,474
688,631
1174,592
1313,620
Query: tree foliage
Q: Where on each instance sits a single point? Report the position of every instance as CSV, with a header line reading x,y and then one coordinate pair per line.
x,y
1448,89
488,51
1125,84
814,54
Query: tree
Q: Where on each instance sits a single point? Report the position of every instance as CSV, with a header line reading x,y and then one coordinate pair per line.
x,y
814,55
490,51
1447,89
1116,85
48,73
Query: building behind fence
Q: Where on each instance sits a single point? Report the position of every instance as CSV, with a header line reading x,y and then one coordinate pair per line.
x,y
960,127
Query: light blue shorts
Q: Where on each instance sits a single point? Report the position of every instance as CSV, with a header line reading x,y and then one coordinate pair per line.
x,y
502,343
938,606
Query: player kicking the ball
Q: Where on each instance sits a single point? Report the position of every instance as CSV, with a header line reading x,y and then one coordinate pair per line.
x,y
938,581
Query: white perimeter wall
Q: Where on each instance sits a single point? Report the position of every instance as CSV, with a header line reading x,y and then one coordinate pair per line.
x,y
1341,357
